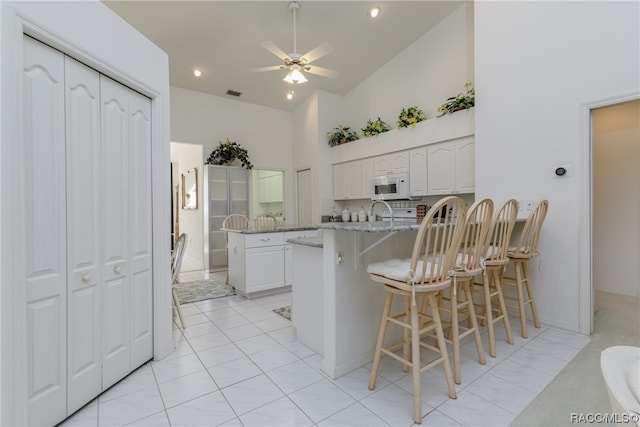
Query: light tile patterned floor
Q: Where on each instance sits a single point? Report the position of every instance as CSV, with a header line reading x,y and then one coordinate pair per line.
x,y
238,364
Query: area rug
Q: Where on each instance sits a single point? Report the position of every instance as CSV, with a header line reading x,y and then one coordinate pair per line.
x,y
284,312
200,290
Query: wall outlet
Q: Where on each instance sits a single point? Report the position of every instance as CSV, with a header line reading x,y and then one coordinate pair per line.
x,y
528,205
520,205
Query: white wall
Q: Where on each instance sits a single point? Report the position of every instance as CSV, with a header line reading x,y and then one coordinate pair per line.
x,y
536,65
616,199
432,69
187,157
425,74
266,133
102,40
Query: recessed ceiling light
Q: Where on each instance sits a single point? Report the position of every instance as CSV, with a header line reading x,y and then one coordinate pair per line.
x,y
290,95
197,72
374,11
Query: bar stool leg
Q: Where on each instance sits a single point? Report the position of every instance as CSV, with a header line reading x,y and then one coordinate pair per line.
x,y
415,364
381,333
534,312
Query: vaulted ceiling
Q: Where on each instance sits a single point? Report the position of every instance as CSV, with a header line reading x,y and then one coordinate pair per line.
x,y
222,38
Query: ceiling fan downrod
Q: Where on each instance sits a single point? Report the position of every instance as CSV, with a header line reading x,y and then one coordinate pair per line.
x,y
293,7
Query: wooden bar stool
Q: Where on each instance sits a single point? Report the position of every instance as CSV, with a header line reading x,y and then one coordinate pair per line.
x,y
520,255
265,222
425,275
469,263
495,261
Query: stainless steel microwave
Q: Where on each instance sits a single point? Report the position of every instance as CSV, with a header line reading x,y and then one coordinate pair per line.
x,y
390,187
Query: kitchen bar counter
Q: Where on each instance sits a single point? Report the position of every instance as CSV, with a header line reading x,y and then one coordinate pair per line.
x,y
315,242
279,228
371,227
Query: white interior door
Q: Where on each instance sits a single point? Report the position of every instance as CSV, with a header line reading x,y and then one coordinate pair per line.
x,y
115,231
83,242
141,232
43,237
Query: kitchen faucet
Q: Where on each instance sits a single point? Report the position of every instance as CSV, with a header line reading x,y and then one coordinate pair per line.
x,y
388,207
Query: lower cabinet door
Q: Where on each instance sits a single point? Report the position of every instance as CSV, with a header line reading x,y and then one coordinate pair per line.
x,y
265,268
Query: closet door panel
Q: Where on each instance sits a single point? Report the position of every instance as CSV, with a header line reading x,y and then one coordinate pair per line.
x,y
83,225
115,230
43,232
141,232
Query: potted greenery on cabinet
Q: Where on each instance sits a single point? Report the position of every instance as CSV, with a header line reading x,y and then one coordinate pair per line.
x,y
341,135
463,101
410,117
375,127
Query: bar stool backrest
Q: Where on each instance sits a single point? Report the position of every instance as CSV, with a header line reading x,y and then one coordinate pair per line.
x,y
527,246
474,239
437,243
499,236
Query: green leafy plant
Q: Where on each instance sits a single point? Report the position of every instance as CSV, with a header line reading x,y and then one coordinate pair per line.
x,y
410,117
463,101
341,135
375,127
227,152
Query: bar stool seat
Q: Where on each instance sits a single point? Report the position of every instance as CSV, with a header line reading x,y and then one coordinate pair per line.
x,y
424,276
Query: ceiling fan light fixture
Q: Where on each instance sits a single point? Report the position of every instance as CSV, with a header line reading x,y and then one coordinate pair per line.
x,y
295,76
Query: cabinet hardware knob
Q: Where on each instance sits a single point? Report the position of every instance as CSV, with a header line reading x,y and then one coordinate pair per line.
x,y
117,269
86,278
265,239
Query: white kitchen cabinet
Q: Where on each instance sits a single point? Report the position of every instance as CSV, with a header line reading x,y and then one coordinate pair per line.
x,y
340,181
418,171
270,185
451,167
367,174
261,262
392,163
348,181
86,232
354,180
267,268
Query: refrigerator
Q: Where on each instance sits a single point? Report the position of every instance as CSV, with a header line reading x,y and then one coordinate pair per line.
x,y
226,191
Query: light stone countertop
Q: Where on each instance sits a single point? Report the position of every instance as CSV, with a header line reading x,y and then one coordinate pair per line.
x,y
315,241
370,227
278,229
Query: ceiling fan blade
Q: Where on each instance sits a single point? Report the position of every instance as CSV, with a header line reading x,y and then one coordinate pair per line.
x,y
271,47
261,69
320,71
318,52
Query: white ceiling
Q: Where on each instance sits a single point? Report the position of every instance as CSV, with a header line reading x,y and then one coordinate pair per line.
x,y
223,39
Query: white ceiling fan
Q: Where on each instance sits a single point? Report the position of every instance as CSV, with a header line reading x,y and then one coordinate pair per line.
x,y
295,62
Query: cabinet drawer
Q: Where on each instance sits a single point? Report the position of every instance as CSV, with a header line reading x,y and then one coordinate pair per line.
x,y
264,239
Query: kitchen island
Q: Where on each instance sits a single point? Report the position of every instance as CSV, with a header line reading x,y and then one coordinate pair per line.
x,y
260,261
352,303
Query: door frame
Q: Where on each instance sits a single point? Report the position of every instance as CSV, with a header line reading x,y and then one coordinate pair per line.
x,y
19,19
585,205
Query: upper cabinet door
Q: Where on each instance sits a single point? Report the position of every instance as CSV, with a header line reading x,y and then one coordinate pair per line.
x,y
465,166
43,235
84,225
441,168
418,171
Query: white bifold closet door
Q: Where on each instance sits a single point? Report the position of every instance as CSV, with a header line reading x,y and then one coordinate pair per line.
x,y
87,230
